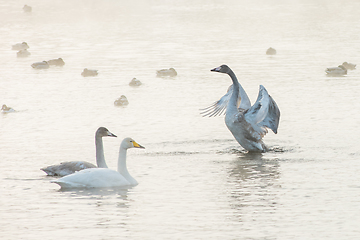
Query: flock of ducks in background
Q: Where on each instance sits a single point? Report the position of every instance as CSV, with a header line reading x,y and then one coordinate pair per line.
x,y
248,124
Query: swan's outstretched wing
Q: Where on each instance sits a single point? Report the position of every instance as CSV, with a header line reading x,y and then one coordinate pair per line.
x,y
264,113
219,107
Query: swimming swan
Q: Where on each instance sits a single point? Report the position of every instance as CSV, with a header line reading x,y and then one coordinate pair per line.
x,y
66,168
247,123
103,177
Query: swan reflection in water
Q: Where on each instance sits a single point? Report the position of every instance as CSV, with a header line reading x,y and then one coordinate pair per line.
x,y
254,185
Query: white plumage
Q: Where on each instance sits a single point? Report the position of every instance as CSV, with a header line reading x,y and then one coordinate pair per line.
x,y
103,177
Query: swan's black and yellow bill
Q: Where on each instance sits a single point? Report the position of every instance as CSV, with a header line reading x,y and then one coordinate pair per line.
x,y
137,145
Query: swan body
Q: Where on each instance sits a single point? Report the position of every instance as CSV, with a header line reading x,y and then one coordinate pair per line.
x,y
135,82
20,46
66,168
103,177
23,53
340,70
171,72
6,109
27,8
89,72
349,66
40,65
247,123
270,51
121,101
56,62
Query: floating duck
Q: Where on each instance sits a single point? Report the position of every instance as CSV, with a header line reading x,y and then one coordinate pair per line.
x,y
6,109
349,66
27,8
135,82
23,53
56,62
20,46
121,101
40,65
166,72
270,51
340,70
89,72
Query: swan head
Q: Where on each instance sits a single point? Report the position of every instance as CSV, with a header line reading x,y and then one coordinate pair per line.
x,y
222,69
104,132
130,143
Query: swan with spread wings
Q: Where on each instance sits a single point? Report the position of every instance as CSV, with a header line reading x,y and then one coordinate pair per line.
x,y
247,123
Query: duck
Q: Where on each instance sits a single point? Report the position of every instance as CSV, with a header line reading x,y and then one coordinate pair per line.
x,y
340,70
20,46
40,65
66,168
349,66
56,62
135,82
248,124
171,72
103,177
121,101
27,8
6,109
23,53
270,51
89,72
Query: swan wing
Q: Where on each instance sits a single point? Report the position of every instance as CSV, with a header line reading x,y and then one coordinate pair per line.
x,y
218,108
66,168
264,113
93,178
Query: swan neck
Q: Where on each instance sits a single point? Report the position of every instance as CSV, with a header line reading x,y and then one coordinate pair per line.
x,y
122,169
100,158
233,103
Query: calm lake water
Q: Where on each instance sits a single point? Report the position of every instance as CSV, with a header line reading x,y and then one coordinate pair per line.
x,y
195,181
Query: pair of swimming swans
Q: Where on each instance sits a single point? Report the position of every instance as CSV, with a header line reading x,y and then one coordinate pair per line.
x,y
247,123
80,174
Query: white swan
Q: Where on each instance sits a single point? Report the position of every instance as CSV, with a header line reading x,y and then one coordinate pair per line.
x,y
66,168
340,70
103,177
247,123
20,46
